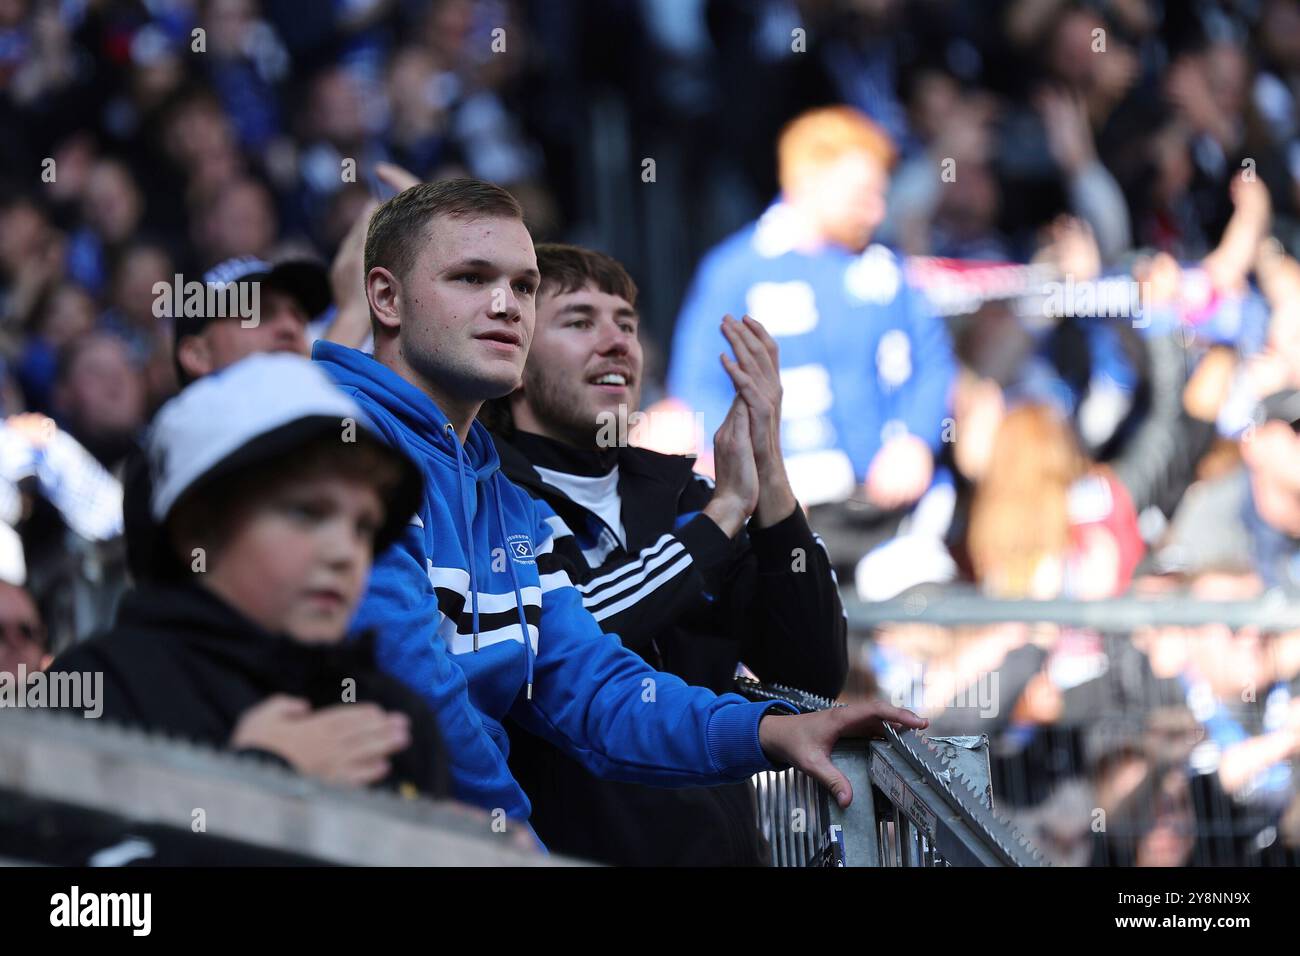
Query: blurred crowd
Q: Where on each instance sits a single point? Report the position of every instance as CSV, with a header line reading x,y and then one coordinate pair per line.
x,y
1058,310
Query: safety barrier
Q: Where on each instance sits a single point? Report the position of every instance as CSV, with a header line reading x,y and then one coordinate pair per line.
x,y
77,791
917,802
1060,772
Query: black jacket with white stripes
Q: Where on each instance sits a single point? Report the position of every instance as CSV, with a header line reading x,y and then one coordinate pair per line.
x,y
682,594
690,601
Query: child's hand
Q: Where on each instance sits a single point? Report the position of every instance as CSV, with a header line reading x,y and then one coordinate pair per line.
x,y
347,743
805,741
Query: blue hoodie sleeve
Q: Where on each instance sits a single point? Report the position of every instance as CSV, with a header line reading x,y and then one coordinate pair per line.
x,y
603,705
924,403
695,375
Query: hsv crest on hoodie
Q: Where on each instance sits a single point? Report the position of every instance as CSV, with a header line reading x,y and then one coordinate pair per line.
x,y
450,603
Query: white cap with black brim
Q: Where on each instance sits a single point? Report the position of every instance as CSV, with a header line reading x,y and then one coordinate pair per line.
x,y
260,408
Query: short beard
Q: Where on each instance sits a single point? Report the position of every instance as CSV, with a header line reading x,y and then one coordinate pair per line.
x,y
558,412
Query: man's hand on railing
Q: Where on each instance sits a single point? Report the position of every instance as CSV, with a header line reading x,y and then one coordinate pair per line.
x,y
805,741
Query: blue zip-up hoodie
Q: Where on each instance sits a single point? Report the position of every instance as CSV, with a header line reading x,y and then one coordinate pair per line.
x,y
451,600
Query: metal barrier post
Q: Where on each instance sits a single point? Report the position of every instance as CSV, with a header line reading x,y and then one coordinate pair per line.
x,y
856,823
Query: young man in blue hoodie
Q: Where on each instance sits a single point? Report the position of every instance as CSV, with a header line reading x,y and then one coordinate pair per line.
x,y
472,606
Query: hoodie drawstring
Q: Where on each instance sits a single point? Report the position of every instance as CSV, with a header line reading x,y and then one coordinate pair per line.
x,y
495,492
469,529
514,582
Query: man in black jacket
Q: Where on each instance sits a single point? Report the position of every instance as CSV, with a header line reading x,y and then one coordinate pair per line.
x,y
696,578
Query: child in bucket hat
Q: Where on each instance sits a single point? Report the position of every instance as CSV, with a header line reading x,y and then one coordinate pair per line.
x,y
271,495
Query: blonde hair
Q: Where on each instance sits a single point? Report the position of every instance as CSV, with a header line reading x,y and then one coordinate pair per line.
x,y
820,137
1019,515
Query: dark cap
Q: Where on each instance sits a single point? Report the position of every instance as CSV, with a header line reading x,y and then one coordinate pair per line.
x,y
305,281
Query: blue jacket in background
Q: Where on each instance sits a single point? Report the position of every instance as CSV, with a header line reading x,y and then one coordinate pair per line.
x,y
863,355
477,566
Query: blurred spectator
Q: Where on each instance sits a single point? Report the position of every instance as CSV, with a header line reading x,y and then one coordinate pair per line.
x,y
1251,721
947,199
238,220
1270,455
339,131
245,60
418,95
63,315
31,256
281,302
199,139
99,396
112,208
22,636
865,364
1044,522
287,297
1262,499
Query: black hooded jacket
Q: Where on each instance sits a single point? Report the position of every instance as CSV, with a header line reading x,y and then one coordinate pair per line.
x,y
692,602
181,661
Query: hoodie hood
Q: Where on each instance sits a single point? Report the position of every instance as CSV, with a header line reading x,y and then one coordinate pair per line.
x,y
183,661
425,425
197,622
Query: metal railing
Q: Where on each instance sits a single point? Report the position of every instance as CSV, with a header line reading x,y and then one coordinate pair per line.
x,y
917,802
951,607
1056,776
916,815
